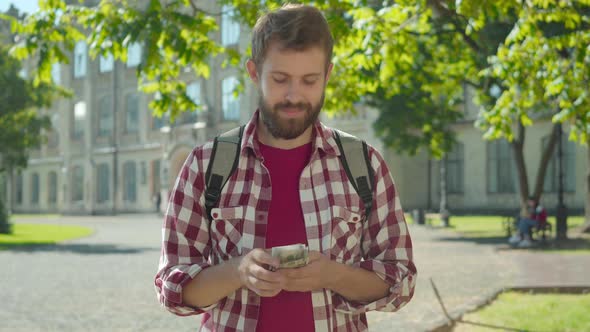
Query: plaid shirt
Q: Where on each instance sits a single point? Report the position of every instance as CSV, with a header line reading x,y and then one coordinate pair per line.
x,y
334,221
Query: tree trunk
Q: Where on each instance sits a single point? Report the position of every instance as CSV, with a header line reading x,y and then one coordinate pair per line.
x,y
547,154
586,226
523,180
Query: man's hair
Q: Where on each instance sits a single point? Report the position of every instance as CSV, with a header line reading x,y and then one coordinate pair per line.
x,y
294,27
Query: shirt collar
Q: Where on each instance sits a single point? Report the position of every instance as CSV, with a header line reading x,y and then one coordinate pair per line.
x,y
323,138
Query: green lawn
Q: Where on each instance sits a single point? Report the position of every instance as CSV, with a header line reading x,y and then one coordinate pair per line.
x,y
34,215
34,234
491,226
490,230
532,312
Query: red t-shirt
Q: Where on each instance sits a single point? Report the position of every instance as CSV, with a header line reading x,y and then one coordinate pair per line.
x,y
288,311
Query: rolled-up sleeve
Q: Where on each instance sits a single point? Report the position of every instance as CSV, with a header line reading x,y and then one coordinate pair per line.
x,y
386,246
185,238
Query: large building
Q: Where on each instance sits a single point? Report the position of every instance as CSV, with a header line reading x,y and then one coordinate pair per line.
x,y
108,154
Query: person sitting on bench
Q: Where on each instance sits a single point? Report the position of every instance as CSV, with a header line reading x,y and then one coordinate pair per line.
x,y
537,218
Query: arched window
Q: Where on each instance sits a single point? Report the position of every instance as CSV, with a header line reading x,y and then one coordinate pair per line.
x,y
230,27
52,193
130,182
80,59
35,188
103,183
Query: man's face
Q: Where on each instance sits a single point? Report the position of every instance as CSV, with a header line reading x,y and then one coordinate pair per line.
x,y
291,85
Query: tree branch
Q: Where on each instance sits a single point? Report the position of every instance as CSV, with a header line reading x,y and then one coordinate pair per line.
x,y
442,9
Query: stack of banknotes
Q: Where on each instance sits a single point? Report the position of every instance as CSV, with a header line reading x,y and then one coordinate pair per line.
x,y
291,256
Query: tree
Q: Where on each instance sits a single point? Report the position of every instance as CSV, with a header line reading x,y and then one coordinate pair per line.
x,y
20,124
545,64
417,55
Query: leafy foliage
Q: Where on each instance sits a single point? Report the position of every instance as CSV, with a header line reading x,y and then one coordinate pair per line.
x,y
20,124
522,58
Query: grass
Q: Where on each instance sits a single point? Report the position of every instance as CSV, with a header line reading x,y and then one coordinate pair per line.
x,y
532,312
36,234
491,226
490,229
33,215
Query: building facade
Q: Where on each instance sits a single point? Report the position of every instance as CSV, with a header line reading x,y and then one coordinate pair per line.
x,y
108,154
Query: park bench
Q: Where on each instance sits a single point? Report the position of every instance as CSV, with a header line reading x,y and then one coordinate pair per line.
x,y
539,231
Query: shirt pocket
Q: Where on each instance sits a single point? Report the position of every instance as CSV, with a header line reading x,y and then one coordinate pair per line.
x,y
347,228
226,231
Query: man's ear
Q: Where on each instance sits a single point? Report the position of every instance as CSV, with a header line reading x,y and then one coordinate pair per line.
x,y
252,71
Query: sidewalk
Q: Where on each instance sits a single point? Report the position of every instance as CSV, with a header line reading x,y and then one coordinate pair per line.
x,y
105,282
468,274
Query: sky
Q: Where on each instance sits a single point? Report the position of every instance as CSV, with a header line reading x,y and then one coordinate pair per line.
x,y
27,6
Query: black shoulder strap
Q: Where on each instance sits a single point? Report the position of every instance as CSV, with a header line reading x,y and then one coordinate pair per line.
x,y
354,156
222,164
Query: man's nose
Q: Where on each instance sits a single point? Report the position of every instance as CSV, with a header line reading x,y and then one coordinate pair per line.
x,y
294,95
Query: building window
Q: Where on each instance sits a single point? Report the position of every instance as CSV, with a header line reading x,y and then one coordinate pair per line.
x,y
551,182
79,117
106,63
454,169
501,168
159,121
56,73
77,184
105,116
132,113
35,188
103,183
53,136
22,73
143,172
193,91
130,182
155,175
19,188
80,59
230,103
230,28
134,55
52,194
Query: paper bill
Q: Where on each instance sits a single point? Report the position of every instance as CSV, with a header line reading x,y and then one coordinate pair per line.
x,y
291,256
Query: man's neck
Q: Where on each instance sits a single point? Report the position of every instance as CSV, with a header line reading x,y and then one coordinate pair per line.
x,y
266,138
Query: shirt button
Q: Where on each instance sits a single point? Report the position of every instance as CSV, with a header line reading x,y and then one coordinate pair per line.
x,y
261,217
215,215
251,298
355,219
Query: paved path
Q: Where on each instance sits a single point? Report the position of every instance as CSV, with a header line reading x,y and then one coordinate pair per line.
x,y
105,282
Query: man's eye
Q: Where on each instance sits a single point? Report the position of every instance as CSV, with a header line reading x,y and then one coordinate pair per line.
x,y
309,82
280,81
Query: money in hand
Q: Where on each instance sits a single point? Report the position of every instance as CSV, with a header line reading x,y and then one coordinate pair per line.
x,y
291,256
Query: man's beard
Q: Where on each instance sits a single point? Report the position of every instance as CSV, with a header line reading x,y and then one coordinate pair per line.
x,y
288,128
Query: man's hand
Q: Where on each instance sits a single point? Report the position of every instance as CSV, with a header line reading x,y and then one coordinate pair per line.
x,y
253,274
316,275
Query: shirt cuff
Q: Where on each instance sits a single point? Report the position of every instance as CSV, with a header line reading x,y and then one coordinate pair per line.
x,y
170,290
402,283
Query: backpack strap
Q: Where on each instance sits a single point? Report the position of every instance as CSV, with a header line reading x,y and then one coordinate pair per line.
x,y
226,147
354,156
